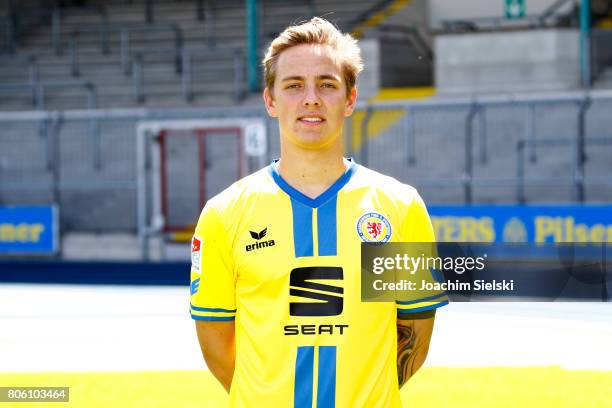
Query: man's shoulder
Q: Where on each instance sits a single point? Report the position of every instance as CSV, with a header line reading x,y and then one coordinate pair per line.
x,y
240,194
381,184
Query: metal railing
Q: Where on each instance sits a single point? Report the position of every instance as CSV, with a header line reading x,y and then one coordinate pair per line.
x,y
549,17
465,145
19,20
138,63
476,110
378,7
412,34
33,71
187,55
39,89
203,8
57,27
239,67
88,87
553,10
125,33
35,91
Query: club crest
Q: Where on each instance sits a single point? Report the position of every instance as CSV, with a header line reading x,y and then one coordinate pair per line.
x,y
374,227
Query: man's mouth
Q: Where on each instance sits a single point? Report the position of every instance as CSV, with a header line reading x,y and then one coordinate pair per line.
x,y
311,120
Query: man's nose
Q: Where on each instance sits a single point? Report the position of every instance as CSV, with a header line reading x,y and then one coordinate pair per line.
x,y
311,96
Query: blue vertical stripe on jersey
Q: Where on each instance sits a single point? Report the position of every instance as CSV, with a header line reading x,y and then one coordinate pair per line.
x,y
326,387
302,229
326,228
304,368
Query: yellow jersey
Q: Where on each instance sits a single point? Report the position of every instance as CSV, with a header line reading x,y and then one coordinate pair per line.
x,y
286,268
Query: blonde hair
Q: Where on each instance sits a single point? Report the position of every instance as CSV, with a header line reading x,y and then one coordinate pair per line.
x,y
321,32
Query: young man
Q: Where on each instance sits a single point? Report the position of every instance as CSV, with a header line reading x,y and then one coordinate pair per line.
x,y
275,258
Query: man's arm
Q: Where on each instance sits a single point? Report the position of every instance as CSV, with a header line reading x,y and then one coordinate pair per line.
x,y
413,337
218,344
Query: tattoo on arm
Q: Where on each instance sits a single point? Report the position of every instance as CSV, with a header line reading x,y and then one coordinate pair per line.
x,y
413,343
406,351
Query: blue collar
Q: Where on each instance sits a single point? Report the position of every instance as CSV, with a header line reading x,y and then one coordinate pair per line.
x,y
323,197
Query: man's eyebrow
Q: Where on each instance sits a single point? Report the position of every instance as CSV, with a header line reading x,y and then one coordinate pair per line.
x,y
319,77
292,78
328,76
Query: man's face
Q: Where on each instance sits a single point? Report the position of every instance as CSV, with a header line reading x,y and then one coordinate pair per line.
x,y
309,96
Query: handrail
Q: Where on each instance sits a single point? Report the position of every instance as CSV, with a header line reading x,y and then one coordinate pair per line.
x,y
125,47
92,104
56,27
40,88
33,69
202,10
476,106
15,22
239,66
414,36
550,11
472,24
92,94
34,90
575,142
125,42
375,8
138,68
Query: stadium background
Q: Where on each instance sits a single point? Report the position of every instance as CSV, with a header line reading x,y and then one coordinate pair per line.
x,y
119,118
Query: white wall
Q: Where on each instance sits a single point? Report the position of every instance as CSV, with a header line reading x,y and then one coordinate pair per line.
x,y
535,60
440,10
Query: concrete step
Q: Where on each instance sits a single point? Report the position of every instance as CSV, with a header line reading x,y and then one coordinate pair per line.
x,y
168,87
175,100
95,56
152,87
93,28
133,11
111,72
282,15
44,43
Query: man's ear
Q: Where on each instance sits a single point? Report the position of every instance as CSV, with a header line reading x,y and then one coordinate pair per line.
x,y
269,102
351,101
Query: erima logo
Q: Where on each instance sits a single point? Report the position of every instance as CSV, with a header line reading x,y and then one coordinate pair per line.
x,y
258,236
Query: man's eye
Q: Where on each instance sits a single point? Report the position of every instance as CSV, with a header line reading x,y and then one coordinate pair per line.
x,y
293,86
328,85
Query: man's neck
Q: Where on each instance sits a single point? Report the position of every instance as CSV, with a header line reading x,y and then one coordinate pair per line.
x,y
311,172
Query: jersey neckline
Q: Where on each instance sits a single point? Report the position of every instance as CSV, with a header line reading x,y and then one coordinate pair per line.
x,y
321,198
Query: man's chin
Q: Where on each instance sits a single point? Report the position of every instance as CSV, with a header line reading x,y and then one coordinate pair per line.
x,y
311,141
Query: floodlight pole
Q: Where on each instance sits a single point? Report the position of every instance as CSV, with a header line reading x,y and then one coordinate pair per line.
x,y
252,61
585,52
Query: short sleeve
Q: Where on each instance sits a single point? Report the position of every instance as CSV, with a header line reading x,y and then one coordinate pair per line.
x,y
212,276
417,228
